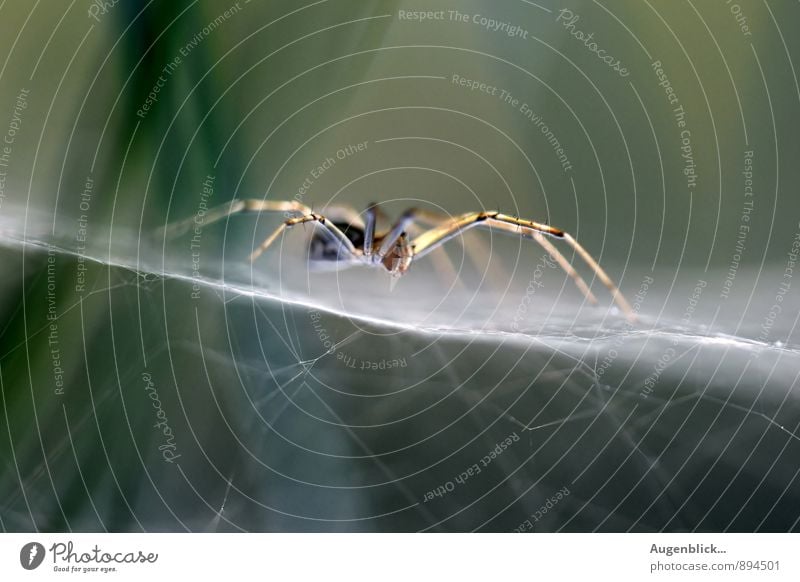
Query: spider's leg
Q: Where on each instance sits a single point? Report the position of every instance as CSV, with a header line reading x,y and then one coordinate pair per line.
x,y
555,254
601,274
443,265
531,226
475,248
268,241
390,239
332,229
369,228
438,235
235,207
396,240
435,237
564,264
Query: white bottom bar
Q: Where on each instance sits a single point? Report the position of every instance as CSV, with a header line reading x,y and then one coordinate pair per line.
x,y
401,557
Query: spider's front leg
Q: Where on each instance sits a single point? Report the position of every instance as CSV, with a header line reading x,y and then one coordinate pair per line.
x,y
435,237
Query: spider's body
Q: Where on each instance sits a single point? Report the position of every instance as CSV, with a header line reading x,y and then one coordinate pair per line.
x,y
327,253
322,249
346,238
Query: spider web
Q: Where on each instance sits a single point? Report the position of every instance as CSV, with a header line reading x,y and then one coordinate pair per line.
x,y
309,401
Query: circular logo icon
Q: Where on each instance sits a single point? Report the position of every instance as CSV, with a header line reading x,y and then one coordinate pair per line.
x,y
31,555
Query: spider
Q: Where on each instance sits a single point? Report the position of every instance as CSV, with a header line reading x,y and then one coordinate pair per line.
x,y
346,239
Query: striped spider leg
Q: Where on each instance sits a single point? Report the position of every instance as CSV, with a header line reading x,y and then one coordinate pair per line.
x,y
439,235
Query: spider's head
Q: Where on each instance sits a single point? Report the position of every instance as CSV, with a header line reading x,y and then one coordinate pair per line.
x,y
398,260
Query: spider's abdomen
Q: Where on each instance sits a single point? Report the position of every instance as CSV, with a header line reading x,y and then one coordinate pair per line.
x,y
354,233
323,247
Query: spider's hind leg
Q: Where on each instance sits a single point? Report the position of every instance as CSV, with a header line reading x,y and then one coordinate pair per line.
x,y
237,206
334,231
